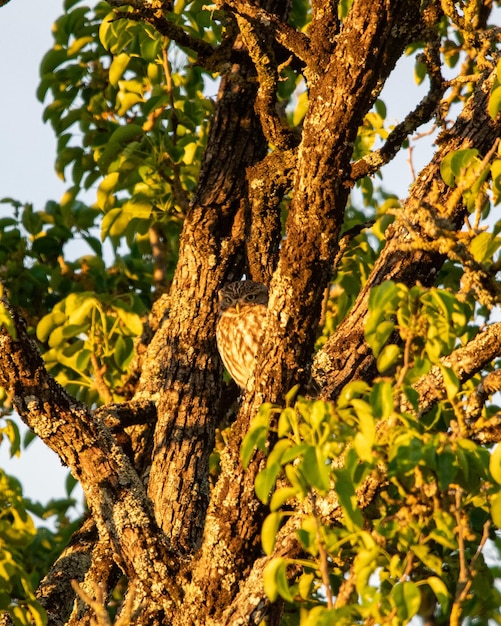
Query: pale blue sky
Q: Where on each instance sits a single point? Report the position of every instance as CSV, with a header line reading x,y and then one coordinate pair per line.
x,y
28,145
27,174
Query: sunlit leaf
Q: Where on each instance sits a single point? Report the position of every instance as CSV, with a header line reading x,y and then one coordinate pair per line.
x,y
269,531
275,580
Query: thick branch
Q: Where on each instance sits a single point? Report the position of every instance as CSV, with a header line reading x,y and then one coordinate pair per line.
x,y
287,36
86,560
260,51
476,402
182,367
465,361
114,492
269,180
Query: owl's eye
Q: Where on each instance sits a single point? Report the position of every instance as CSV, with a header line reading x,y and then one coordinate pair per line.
x,y
250,297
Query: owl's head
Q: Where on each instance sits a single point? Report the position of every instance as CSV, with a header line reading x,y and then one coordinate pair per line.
x,y
242,293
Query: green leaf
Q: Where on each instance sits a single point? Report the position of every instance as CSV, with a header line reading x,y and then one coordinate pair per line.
x,y
428,558
320,413
306,584
131,321
78,44
348,500
440,590
495,463
47,324
6,320
11,431
269,531
352,390
293,452
287,422
455,163
255,438
79,306
451,382
381,400
315,470
105,199
377,336
383,301
275,580
494,105
127,99
278,451
496,509
484,246
126,133
265,481
123,352
496,179
52,59
31,221
388,358
420,71
281,496
384,297
407,599
106,34
118,67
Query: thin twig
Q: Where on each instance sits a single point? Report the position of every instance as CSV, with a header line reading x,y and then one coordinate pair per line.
x,y
99,382
97,604
324,557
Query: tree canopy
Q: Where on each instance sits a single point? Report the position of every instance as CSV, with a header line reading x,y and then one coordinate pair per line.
x,y
357,478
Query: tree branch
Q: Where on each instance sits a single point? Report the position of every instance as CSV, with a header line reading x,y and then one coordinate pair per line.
x,y
420,115
477,399
182,368
86,560
372,162
291,39
274,126
231,539
114,492
269,180
465,361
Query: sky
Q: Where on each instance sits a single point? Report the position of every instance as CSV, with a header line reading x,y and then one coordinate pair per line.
x,y
27,169
28,145
27,174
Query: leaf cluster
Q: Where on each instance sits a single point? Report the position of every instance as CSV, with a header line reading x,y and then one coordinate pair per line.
x,y
416,546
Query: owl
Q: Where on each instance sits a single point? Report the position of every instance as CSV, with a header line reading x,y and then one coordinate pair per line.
x,y
242,309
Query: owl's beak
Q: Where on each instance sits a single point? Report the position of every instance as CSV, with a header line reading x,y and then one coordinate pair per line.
x,y
237,308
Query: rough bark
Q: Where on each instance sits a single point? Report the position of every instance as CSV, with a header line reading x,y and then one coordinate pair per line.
x,y
184,369
231,541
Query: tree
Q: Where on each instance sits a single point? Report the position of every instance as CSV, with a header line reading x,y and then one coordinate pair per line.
x,y
354,481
